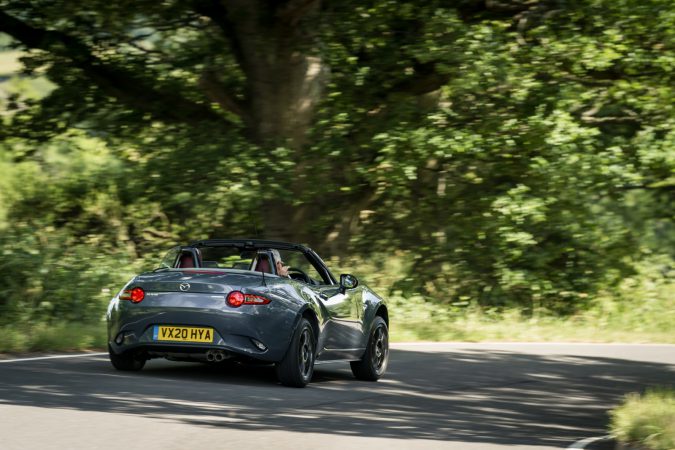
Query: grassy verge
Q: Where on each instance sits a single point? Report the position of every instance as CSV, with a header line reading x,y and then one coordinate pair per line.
x,y
641,309
647,420
413,319
477,329
641,312
45,337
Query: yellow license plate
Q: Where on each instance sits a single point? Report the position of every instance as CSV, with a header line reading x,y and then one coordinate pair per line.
x,y
182,334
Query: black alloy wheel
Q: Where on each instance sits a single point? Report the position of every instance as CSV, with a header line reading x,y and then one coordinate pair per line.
x,y
374,362
297,367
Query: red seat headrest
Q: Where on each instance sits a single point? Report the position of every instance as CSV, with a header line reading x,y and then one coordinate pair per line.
x,y
263,265
186,261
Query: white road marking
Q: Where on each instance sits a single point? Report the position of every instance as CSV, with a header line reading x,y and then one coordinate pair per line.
x,y
490,343
585,442
39,358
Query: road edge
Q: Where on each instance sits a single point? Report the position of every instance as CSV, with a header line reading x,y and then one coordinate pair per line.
x,y
591,443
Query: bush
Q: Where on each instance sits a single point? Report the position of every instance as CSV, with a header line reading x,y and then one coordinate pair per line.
x,y
647,420
47,337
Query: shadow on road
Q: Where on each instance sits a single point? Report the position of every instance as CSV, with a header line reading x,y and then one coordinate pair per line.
x,y
455,395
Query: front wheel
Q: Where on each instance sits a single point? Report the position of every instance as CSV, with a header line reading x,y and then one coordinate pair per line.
x,y
125,361
297,367
373,363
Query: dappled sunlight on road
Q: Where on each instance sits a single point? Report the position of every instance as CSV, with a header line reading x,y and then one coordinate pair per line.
x,y
451,393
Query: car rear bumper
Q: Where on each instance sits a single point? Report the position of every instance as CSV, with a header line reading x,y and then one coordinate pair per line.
x,y
131,326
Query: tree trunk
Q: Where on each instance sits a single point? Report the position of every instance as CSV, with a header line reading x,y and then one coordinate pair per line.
x,y
285,80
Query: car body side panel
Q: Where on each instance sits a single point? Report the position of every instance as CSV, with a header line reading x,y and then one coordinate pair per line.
x,y
344,337
371,303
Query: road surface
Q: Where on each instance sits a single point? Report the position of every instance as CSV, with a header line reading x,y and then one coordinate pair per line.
x,y
449,396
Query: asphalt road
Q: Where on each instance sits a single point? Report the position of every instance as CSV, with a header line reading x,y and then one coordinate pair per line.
x,y
451,396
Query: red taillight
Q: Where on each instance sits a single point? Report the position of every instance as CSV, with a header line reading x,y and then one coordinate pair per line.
x,y
236,299
250,299
136,295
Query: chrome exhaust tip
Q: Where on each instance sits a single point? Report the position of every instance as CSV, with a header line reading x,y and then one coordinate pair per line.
x,y
210,356
219,356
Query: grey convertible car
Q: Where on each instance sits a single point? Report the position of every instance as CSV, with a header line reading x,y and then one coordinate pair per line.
x,y
217,300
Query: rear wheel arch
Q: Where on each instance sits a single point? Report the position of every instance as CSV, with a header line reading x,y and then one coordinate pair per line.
x,y
383,312
313,321
306,312
379,309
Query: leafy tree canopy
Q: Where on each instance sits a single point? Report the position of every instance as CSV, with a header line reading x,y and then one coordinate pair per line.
x,y
515,151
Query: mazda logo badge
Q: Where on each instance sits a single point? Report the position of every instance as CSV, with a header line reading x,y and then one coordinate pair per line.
x,y
184,286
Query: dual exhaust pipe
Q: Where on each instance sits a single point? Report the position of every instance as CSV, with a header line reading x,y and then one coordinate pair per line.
x,y
215,355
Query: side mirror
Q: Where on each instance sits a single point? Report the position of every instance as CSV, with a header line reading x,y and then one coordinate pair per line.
x,y
347,281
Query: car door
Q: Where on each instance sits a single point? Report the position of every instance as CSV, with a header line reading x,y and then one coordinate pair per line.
x,y
343,335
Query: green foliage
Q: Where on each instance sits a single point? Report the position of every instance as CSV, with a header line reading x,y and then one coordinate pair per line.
x,y
510,190
640,309
53,336
511,156
647,420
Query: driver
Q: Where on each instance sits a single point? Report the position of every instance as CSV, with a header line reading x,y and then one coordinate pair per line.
x,y
282,270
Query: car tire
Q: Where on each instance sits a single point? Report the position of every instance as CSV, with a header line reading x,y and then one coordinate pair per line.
x,y
373,363
297,367
125,361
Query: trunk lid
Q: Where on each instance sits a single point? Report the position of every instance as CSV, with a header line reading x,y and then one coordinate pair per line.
x,y
197,281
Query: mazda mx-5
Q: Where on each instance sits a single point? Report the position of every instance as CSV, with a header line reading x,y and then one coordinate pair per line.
x,y
249,300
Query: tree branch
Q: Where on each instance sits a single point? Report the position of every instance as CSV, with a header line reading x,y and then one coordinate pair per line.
x,y
591,117
216,11
213,90
664,186
610,119
120,83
